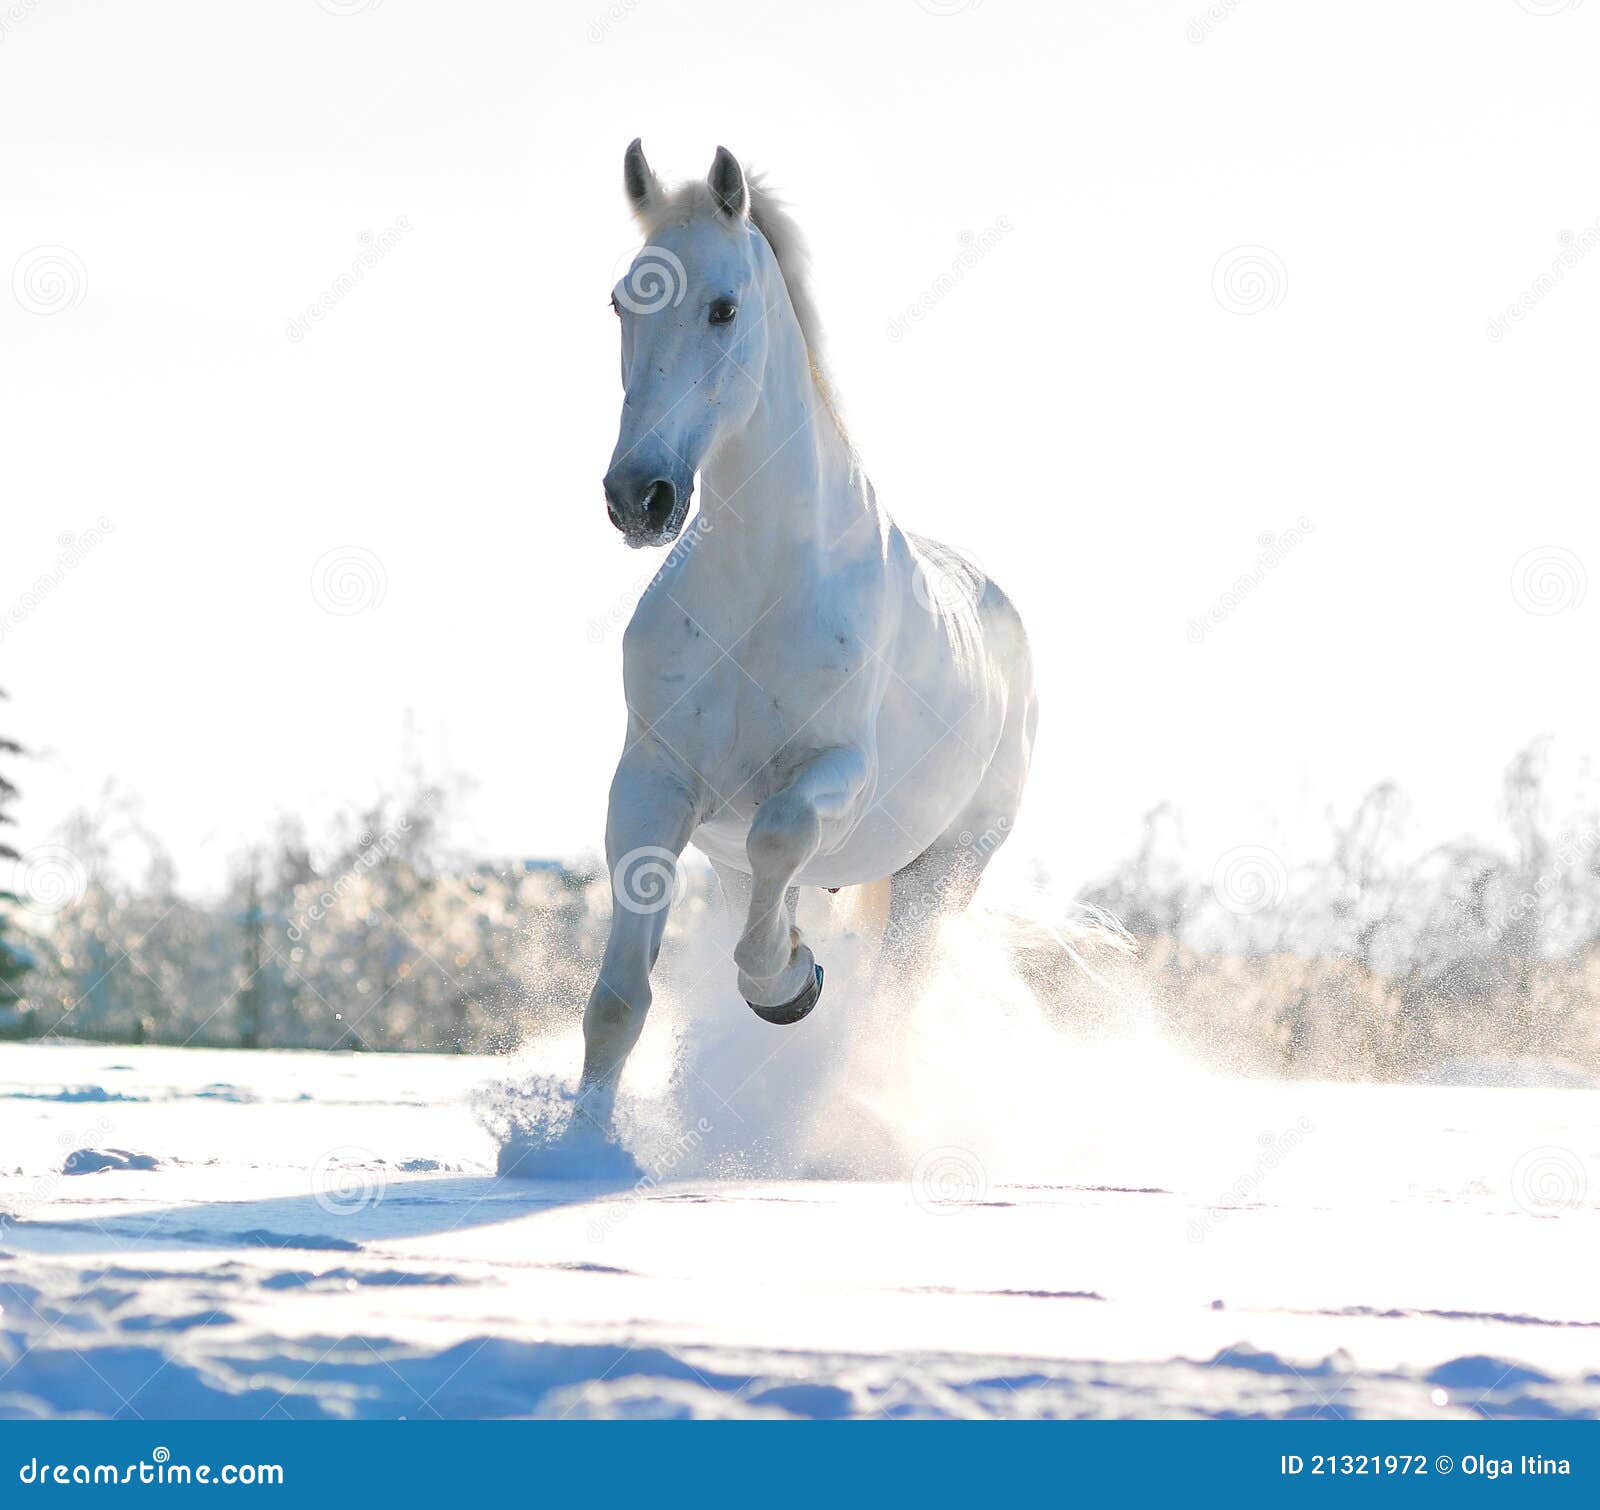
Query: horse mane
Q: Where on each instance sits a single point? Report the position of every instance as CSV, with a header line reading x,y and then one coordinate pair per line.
x,y
773,219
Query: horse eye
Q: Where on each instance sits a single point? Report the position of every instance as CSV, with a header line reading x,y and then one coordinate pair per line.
x,y
723,311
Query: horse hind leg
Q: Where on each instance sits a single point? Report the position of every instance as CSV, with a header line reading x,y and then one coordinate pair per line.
x,y
937,884
942,881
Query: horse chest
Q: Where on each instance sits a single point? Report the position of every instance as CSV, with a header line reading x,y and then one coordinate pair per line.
x,y
738,708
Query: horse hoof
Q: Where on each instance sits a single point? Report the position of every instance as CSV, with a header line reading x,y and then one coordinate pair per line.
x,y
791,1011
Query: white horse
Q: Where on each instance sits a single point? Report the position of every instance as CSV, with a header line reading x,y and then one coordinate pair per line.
x,y
814,697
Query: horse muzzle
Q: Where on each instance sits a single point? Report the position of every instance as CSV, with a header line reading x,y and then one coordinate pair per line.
x,y
649,509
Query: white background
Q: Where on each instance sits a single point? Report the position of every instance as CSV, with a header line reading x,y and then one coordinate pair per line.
x,y
1080,410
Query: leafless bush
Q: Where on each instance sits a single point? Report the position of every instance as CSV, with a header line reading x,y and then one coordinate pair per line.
x,y
383,941
1370,962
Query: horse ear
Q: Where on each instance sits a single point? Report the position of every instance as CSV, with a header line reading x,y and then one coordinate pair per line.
x,y
728,187
639,179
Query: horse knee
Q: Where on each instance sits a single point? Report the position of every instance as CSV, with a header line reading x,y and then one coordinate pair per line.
x,y
786,830
611,1013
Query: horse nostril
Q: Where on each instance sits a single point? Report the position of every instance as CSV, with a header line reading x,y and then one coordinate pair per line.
x,y
612,511
659,500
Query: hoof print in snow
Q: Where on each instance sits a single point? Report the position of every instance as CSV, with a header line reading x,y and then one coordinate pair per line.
x,y
93,1160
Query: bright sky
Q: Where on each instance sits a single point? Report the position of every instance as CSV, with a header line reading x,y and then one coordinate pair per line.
x,y
1109,407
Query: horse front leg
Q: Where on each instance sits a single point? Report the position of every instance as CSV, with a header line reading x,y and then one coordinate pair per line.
x,y
778,975
651,815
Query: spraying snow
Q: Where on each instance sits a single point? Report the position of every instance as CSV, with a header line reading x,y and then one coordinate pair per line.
x,y
973,1080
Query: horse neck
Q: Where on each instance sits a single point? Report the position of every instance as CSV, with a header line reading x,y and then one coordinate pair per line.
x,y
787,485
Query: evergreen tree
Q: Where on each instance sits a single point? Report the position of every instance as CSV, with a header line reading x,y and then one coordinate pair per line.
x,y
16,959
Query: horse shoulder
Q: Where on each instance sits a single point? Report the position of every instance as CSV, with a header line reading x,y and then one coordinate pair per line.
x,y
852,600
664,649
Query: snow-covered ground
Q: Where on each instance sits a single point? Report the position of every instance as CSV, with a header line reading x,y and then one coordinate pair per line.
x,y
194,1233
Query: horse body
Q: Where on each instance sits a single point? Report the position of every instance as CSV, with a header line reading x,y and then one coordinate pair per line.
x,y
921,681
815,698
